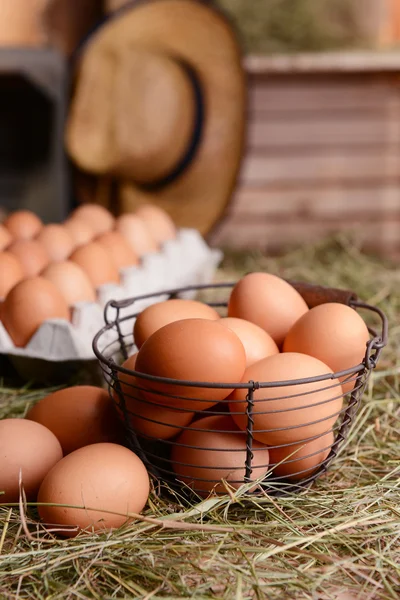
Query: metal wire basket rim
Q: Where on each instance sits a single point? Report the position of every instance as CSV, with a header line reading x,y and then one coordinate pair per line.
x,y
250,385
111,324
118,304
354,302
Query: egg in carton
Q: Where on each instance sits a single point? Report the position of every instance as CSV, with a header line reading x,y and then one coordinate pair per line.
x,y
59,348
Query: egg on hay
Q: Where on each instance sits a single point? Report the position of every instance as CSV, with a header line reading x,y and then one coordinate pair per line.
x,y
78,416
95,488
27,449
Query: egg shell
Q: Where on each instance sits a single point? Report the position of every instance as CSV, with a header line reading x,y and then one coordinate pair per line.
x,y
159,314
5,237
257,342
31,254
269,302
71,280
195,350
27,447
78,416
28,304
216,451
99,218
118,249
290,413
23,224
335,333
137,233
11,272
100,483
94,259
159,222
299,461
80,231
147,417
57,241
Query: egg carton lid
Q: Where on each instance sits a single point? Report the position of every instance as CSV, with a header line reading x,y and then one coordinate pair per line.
x,y
184,261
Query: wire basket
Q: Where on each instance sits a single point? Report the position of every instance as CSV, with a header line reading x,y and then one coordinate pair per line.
x,y
200,459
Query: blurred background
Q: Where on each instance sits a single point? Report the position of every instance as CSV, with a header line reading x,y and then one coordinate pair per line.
x,y
323,120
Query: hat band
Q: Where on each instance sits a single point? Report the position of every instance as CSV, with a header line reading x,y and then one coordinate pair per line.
x,y
194,142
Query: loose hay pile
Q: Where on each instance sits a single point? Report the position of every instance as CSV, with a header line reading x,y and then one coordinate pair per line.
x,y
341,539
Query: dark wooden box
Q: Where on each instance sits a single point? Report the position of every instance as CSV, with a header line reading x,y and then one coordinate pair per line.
x,y
33,167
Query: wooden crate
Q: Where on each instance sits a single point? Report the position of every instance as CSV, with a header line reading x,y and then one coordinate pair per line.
x,y
323,153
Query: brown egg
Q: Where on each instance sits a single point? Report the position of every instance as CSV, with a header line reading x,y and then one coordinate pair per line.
x,y
27,447
334,333
28,304
57,241
11,272
298,461
118,249
157,315
137,234
72,282
257,342
159,222
106,482
291,413
23,224
98,217
95,260
146,416
269,302
80,231
216,451
78,416
195,350
5,237
31,254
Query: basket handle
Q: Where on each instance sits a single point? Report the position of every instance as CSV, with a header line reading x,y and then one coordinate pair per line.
x,y
314,295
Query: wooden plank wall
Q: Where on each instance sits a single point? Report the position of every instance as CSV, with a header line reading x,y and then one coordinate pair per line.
x,y
323,155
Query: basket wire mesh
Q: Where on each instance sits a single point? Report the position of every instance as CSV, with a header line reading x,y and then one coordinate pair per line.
x,y
158,442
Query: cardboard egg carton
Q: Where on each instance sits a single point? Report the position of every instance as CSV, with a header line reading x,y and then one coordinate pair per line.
x,y
184,261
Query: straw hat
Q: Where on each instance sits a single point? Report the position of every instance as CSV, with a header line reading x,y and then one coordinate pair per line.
x,y
159,108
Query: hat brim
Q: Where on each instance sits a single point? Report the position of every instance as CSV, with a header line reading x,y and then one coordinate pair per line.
x,y
203,38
